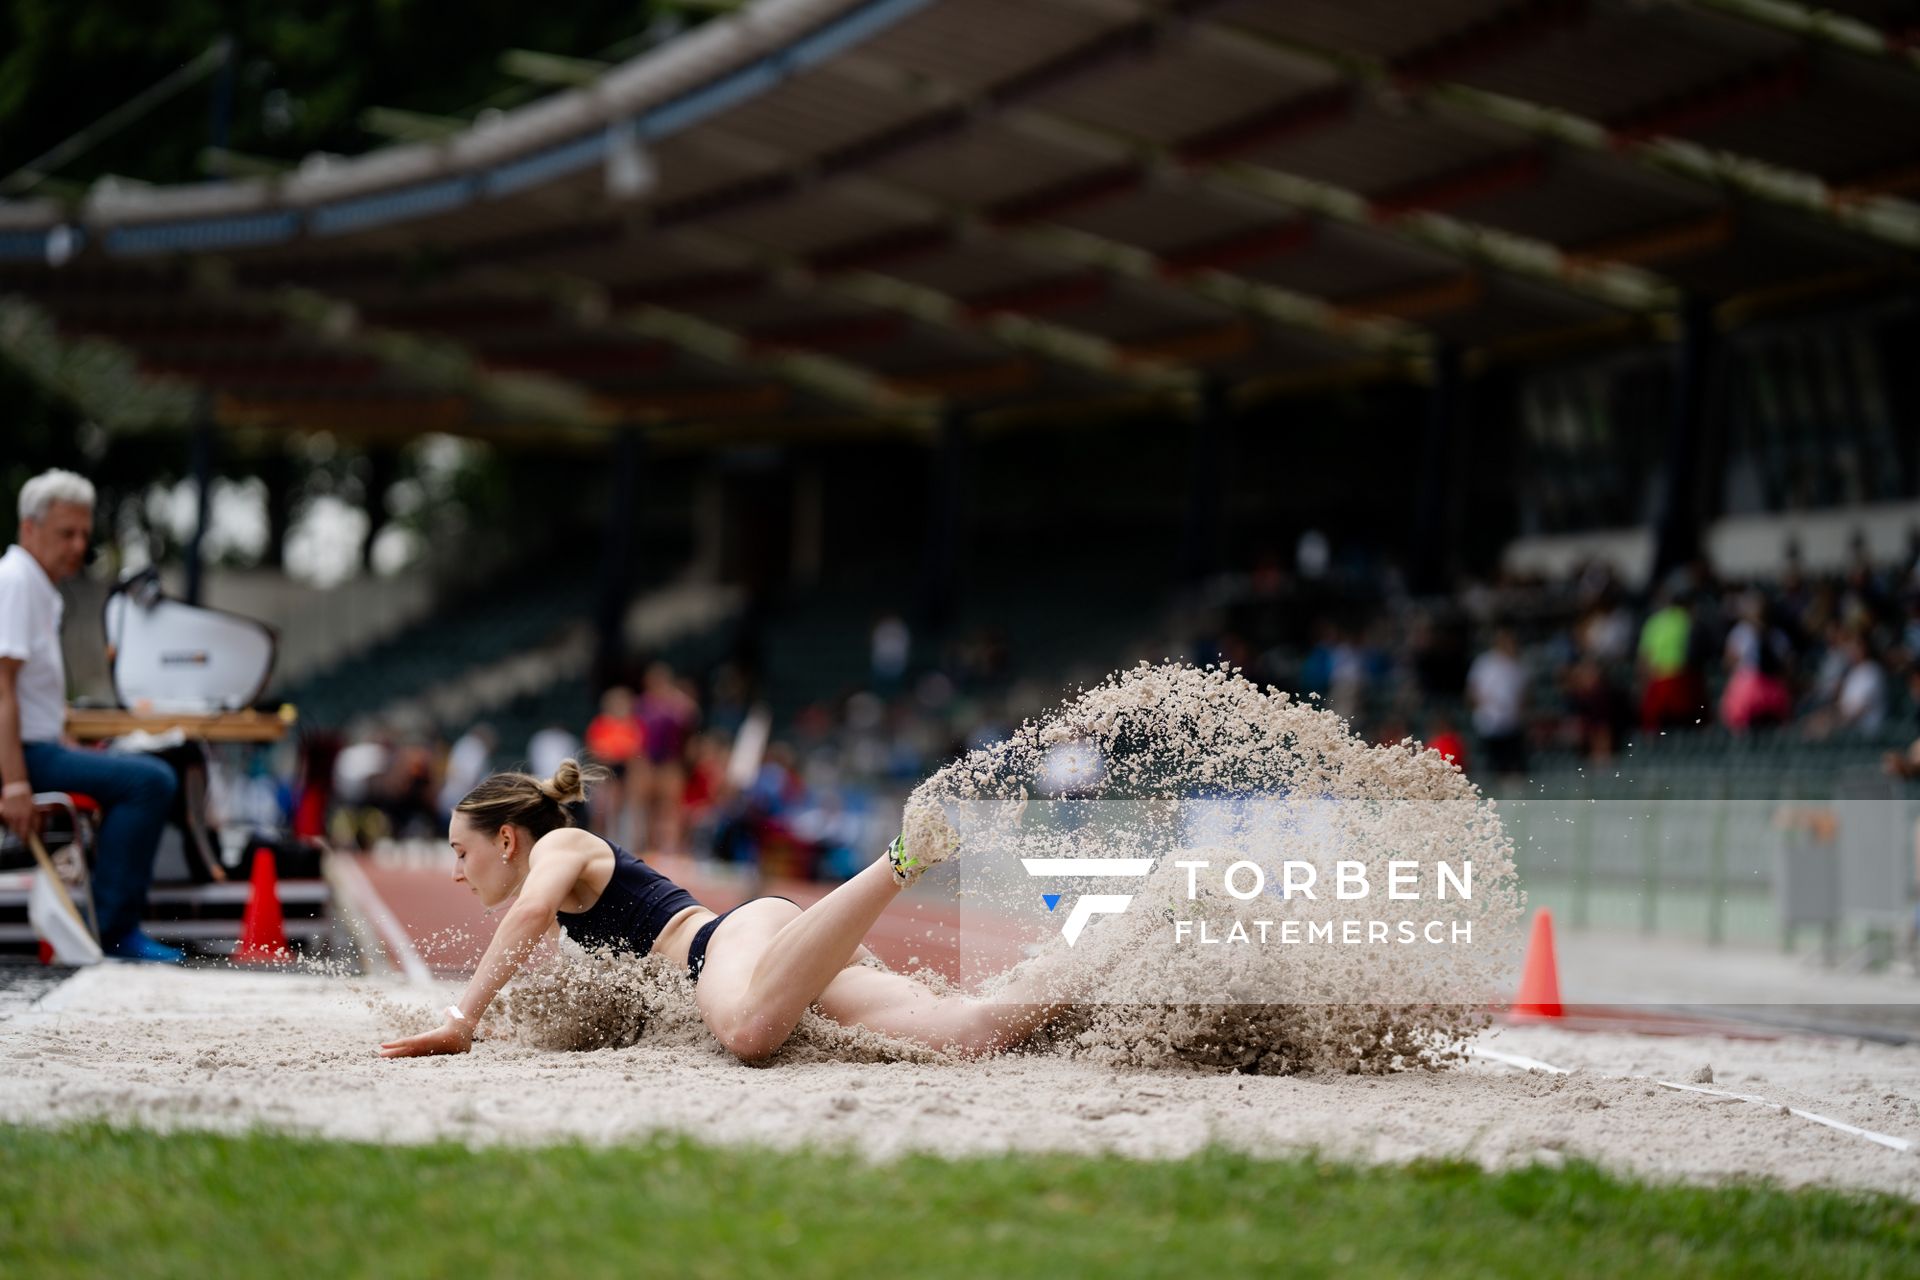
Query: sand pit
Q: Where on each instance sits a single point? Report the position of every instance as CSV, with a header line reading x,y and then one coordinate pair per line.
x,y
220,1050
602,1050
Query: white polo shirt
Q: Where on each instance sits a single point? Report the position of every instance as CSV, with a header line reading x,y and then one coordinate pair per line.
x,y
30,613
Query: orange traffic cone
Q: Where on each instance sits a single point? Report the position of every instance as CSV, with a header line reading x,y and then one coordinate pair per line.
x,y
263,932
1539,995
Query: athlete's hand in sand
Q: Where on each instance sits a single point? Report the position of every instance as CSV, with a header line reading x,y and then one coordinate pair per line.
x,y
448,1038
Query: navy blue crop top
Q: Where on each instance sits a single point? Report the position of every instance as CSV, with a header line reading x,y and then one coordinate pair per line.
x,y
631,911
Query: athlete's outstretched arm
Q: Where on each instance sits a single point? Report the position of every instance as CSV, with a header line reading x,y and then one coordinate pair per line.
x,y
554,866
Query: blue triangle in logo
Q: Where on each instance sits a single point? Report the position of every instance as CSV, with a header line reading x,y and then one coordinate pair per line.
x,y
1051,899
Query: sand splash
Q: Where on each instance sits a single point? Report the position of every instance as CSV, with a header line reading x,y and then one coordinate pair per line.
x,y
1180,763
1169,763
579,999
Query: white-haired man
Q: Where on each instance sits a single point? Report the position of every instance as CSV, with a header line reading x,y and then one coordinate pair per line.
x,y
135,791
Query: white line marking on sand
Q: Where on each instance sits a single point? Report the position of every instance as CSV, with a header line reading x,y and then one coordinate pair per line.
x,y
1884,1139
1515,1060
381,916
1526,1063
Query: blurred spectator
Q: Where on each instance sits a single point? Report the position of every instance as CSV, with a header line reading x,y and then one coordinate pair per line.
x,y
1601,712
1862,582
409,794
1348,671
707,790
614,740
890,651
1312,555
1605,634
313,792
668,714
548,747
470,760
1445,738
1673,693
727,701
1316,672
1756,657
1853,693
1497,691
357,770
1830,671
1793,596
757,833
1862,703
1906,764
356,765
1437,654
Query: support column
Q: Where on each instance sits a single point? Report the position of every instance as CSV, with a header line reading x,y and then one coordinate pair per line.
x,y
200,466
1206,484
946,502
277,470
1433,552
383,465
617,556
809,526
1683,507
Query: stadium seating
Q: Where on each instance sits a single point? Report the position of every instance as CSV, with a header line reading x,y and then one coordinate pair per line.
x,y
454,639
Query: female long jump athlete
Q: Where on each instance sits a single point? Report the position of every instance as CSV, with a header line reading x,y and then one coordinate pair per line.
x,y
756,968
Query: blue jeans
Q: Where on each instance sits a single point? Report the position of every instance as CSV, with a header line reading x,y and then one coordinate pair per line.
x,y
135,794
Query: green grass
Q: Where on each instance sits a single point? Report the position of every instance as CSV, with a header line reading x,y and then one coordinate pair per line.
x,y
95,1201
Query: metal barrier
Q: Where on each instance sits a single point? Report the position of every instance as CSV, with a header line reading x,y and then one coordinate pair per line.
x,y
1744,858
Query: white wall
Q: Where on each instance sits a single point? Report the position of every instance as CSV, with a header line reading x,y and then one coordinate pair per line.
x,y
317,626
1739,547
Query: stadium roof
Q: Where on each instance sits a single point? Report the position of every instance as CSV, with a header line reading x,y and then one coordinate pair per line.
x,y
876,209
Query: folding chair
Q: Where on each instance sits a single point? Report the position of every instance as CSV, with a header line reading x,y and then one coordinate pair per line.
x,y
69,823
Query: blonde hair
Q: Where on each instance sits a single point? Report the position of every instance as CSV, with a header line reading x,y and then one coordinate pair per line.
x,y
522,800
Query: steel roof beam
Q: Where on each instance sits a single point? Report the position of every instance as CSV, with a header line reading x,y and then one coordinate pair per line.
x,y
1488,39
1818,26
553,68
1134,160
1880,218
1410,215
451,365
441,363
854,272
400,125
1015,330
99,375
523,394
594,305
1698,107
1021,220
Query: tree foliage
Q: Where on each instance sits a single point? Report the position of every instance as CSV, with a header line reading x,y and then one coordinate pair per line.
x,y
303,72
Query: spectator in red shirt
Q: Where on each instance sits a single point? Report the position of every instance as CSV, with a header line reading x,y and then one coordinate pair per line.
x,y
615,739
1446,739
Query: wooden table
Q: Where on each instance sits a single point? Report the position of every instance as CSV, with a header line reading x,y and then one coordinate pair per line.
x,y
91,724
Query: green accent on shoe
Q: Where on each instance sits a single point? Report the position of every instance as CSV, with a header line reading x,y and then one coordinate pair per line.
x,y
904,865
